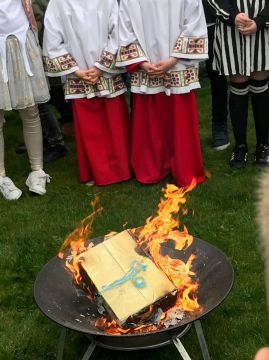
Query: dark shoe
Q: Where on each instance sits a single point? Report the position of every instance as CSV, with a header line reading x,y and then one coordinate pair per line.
x,y
21,149
239,157
262,155
220,139
53,153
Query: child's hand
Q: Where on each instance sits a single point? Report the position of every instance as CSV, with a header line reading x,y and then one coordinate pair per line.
x,y
83,74
94,74
148,67
90,76
250,29
242,20
164,65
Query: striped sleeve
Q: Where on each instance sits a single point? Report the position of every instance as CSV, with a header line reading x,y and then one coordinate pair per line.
x,y
262,19
226,10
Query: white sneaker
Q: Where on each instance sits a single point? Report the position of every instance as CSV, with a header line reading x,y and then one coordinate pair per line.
x,y
37,180
90,183
8,189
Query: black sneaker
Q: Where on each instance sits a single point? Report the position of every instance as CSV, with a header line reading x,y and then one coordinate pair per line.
x,y
53,153
262,155
239,157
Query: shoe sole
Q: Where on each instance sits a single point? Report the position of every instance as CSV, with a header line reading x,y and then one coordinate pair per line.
x,y
222,147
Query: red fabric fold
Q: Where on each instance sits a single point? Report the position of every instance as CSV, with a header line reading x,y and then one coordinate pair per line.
x,y
102,139
165,138
133,67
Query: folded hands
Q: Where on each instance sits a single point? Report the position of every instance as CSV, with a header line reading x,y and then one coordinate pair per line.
x,y
245,25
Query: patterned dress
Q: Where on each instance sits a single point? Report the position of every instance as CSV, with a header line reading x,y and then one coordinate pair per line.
x,y
22,79
235,53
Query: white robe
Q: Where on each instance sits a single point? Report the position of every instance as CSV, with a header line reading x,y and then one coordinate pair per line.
x,y
154,30
79,35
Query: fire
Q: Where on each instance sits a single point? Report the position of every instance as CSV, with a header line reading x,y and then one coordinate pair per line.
x,y
77,241
152,237
164,227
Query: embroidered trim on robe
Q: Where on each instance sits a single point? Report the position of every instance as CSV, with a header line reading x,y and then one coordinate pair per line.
x,y
107,62
191,47
78,88
59,66
130,54
174,82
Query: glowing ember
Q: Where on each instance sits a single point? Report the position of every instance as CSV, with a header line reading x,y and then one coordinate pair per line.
x,y
152,237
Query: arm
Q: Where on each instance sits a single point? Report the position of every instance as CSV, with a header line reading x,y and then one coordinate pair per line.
x,y
107,60
39,9
27,5
130,51
262,19
57,60
226,10
192,41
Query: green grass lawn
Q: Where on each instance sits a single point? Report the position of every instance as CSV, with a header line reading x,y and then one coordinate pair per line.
x,y
32,229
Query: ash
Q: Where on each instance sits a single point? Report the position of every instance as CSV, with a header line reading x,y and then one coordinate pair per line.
x,y
174,316
100,305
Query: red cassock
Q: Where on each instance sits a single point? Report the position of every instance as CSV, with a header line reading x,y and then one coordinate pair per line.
x,y
165,138
102,139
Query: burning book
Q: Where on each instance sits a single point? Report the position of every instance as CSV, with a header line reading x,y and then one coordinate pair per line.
x,y
127,281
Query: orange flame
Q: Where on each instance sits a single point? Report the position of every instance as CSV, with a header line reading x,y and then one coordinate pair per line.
x,y
77,241
163,227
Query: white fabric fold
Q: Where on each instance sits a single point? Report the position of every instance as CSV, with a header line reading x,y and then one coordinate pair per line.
x,y
157,25
69,28
13,21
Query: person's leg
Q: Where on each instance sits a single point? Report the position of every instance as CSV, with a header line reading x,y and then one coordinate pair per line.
x,y
259,94
239,94
63,107
7,187
219,99
32,132
55,148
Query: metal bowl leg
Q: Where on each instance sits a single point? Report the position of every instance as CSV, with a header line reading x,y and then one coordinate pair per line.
x,y
201,339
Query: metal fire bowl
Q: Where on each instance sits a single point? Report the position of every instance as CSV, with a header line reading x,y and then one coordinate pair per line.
x,y
61,301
